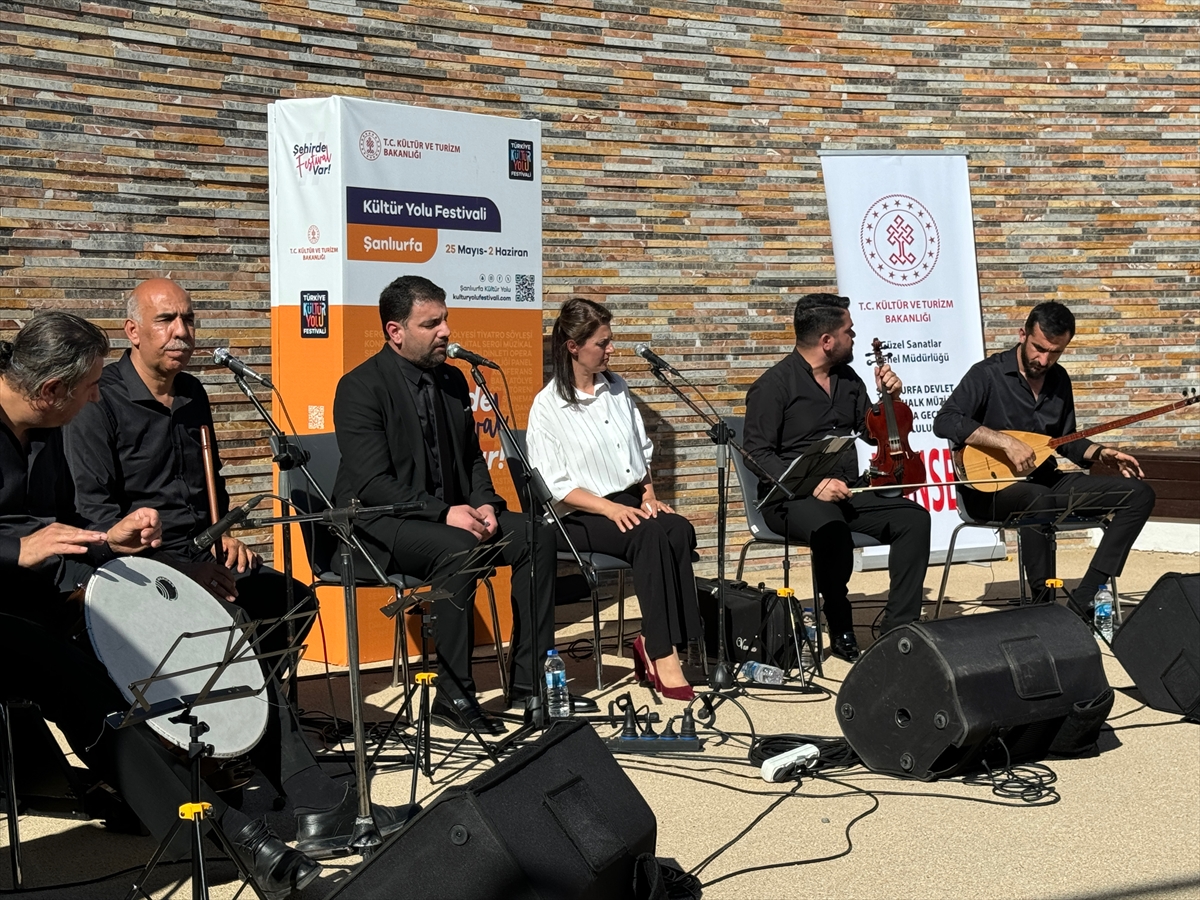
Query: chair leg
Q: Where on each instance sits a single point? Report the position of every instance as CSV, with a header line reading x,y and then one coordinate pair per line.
x,y
400,673
937,609
500,660
1020,568
820,660
742,558
10,789
621,613
596,638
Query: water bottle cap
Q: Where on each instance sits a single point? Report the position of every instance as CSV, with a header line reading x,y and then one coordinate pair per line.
x,y
552,653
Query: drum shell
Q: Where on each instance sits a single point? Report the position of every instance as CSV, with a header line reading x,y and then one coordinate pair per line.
x,y
926,699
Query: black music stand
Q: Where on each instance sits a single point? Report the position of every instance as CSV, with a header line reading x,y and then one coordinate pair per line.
x,y
803,476
364,837
240,647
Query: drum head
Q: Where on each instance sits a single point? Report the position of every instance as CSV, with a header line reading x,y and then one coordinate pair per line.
x,y
135,610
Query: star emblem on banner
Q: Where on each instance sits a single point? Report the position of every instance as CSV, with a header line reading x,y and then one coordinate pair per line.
x,y
899,239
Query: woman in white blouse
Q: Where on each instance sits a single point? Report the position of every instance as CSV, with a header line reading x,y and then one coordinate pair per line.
x,y
588,440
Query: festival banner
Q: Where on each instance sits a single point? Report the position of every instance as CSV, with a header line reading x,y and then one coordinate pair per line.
x,y
363,192
904,246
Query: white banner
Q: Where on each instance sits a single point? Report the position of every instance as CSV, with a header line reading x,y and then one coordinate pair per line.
x,y
904,245
364,191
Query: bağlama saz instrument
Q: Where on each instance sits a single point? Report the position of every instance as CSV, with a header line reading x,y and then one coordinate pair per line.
x,y
989,471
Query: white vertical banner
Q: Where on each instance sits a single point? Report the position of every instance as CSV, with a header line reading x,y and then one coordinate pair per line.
x,y
904,246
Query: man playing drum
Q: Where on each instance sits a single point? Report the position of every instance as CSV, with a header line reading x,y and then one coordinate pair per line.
x,y
139,445
47,374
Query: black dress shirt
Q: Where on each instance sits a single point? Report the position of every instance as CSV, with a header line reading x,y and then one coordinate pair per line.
x,y
35,490
787,411
439,458
128,451
995,395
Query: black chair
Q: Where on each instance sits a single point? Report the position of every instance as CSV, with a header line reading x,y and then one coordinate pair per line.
x,y
761,533
1050,522
322,547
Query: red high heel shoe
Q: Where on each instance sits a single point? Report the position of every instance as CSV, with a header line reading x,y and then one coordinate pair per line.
x,y
642,667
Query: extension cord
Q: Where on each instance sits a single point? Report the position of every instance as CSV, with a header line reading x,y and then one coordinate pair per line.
x,y
783,765
655,745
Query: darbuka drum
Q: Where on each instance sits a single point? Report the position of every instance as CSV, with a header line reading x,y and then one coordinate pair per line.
x,y
135,611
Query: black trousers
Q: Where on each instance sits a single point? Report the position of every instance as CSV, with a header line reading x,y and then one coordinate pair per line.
x,y
74,692
826,529
660,551
1134,500
282,752
437,552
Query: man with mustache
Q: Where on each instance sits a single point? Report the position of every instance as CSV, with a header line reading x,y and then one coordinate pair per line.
x,y
140,445
1025,389
811,394
406,433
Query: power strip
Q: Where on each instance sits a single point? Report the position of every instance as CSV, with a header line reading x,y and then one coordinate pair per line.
x,y
655,744
784,765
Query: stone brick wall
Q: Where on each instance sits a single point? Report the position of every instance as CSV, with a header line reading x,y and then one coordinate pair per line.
x,y
680,166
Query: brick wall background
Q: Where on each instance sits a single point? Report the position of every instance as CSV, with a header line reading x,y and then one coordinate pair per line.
x,y
680,167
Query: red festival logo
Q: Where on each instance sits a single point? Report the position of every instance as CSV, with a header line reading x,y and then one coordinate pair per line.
x,y
900,240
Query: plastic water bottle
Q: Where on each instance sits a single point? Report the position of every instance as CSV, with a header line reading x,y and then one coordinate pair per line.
x,y
1102,615
558,698
762,673
808,621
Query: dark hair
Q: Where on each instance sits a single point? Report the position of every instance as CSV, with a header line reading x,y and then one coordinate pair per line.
x,y
1054,319
396,301
818,314
577,321
51,345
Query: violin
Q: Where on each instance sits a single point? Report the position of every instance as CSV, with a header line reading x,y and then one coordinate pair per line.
x,y
890,422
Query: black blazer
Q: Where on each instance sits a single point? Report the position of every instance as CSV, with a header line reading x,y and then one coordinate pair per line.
x,y
383,449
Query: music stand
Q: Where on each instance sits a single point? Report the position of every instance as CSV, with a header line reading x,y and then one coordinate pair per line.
x,y
240,647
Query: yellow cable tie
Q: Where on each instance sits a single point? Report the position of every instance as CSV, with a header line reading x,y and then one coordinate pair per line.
x,y
426,677
785,592
192,810
1054,582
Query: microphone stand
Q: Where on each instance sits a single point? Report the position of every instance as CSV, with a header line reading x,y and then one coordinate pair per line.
x,y
536,716
720,678
365,837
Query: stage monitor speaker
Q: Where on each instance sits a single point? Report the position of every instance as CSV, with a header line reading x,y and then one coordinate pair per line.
x,y
1159,645
929,700
557,819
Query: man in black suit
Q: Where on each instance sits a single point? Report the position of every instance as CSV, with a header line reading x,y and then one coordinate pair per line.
x,y
406,433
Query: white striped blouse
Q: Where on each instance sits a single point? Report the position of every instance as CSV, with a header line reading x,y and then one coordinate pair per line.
x,y
599,445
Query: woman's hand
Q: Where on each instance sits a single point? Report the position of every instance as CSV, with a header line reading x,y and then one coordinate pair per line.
x,y
654,506
626,517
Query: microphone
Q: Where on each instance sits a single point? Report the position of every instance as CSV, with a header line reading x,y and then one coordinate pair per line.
x,y
456,351
223,357
644,351
212,533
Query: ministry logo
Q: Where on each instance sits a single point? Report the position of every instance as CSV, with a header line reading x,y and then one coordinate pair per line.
x,y
370,145
900,240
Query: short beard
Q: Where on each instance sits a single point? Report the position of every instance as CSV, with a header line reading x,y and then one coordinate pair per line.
x,y
434,356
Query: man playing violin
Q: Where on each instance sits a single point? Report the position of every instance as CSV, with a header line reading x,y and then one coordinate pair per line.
x,y
1025,389
811,394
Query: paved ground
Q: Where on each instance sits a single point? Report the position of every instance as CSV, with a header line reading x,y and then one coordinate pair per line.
x,y
1126,824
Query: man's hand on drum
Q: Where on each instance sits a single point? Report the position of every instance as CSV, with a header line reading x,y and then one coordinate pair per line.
x,y
139,530
212,576
238,555
56,539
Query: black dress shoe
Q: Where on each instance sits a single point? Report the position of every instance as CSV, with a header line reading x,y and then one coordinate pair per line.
x,y
518,699
463,715
278,870
327,832
844,646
